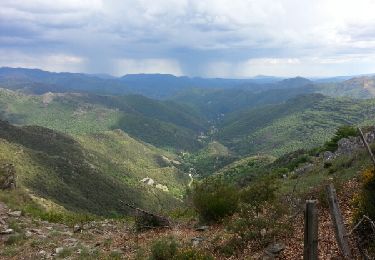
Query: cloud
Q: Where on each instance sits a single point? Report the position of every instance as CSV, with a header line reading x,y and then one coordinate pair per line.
x,y
131,66
193,37
52,62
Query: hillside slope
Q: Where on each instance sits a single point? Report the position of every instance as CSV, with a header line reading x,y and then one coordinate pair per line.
x,y
214,102
358,87
161,123
301,122
91,174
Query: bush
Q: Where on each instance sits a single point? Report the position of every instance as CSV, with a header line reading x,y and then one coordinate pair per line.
x,y
259,192
14,239
214,199
192,254
341,132
259,218
164,249
366,198
168,248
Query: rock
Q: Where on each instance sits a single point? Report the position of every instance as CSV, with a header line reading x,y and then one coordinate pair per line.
x,y
36,231
263,232
165,160
117,251
275,248
7,231
15,213
28,234
59,250
174,162
7,176
42,253
202,228
197,240
77,229
70,242
348,145
148,181
304,168
162,187
328,156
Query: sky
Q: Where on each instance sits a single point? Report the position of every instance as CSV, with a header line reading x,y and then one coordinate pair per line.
x,y
208,38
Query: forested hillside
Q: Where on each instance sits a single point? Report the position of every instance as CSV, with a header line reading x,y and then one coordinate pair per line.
x,y
301,122
90,174
162,123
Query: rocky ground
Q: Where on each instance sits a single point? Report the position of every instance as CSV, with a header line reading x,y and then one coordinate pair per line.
x,y
22,237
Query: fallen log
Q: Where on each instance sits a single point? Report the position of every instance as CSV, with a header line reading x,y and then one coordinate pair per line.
x,y
146,220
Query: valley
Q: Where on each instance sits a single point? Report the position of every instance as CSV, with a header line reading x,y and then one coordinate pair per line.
x,y
82,154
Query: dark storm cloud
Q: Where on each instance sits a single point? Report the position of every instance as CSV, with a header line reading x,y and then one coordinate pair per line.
x,y
235,38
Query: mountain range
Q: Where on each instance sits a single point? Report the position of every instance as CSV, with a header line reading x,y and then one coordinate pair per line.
x,y
67,133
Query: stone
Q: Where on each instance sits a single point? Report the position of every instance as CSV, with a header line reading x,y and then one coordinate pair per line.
x,y
7,231
197,240
165,160
304,169
7,176
70,242
162,187
117,251
263,232
175,162
275,248
42,252
202,228
36,231
59,250
328,156
77,229
148,181
17,213
28,234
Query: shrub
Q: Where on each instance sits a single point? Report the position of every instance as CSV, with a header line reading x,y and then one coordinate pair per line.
x,y
341,132
214,199
192,254
259,218
164,249
366,198
259,192
14,239
168,248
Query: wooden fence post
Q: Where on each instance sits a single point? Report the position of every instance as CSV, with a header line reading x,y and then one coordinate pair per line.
x,y
366,145
338,223
311,231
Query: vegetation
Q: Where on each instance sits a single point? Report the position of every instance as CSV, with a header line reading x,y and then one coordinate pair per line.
x,y
70,172
168,248
208,160
302,122
341,132
366,198
164,124
78,157
260,217
214,199
164,249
